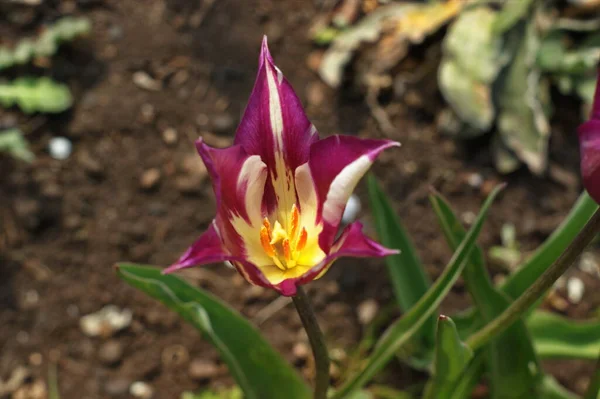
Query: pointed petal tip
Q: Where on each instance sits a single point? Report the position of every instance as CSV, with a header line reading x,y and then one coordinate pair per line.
x,y
171,269
390,143
265,54
387,251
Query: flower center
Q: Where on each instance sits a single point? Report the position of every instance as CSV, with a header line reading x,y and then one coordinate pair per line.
x,y
284,245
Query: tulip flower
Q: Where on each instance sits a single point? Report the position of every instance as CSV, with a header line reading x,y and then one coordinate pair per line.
x,y
281,192
589,144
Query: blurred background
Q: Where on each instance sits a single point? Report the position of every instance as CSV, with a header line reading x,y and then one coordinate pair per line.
x,y
101,101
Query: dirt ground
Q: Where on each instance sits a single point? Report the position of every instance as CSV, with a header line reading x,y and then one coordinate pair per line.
x,y
134,189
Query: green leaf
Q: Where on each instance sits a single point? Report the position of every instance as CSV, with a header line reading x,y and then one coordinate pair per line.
x,y
512,12
516,284
258,369
13,142
550,389
523,101
231,393
65,29
406,272
554,56
53,392
452,357
36,95
556,336
467,381
405,328
511,359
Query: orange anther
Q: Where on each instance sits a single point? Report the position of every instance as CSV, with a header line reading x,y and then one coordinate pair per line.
x,y
302,240
287,252
267,225
265,241
294,219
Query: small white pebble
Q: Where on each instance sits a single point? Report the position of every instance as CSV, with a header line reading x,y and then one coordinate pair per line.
x,y
367,310
106,321
589,264
60,148
468,217
352,210
141,390
575,290
475,180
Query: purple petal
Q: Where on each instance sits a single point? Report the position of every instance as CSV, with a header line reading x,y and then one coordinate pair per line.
x,y
589,144
351,243
207,249
336,164
238,181
275,126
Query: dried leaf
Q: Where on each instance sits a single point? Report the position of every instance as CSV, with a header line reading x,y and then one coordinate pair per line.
x,y
473,57
523,101
504,159
412,28
368,30
397,25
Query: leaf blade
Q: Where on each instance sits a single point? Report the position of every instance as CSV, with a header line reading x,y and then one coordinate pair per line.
x,y
258,369
555,336
550,250
408,277
404,328
452,357
511,355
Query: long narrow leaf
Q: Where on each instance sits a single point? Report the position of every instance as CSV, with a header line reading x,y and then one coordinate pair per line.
x,y
405,328
471,375
555,245
551,389
258,369
452,357
406,272
556,336
511,356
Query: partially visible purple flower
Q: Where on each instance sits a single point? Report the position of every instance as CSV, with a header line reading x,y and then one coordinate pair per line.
x,y
281,192
589,143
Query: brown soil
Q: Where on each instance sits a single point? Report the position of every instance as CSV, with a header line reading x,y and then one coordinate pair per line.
x,y
65,223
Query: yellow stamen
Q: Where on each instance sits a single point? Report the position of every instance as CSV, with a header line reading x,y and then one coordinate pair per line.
x,y
288,255
294,219
265,240
302,240
287,252
267,225
283,245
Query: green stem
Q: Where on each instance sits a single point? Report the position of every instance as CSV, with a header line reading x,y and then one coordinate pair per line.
x,y
317,342
593,391
539,287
